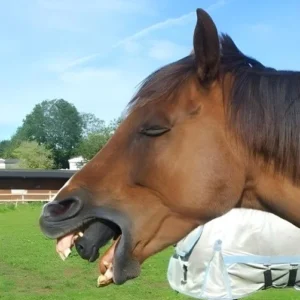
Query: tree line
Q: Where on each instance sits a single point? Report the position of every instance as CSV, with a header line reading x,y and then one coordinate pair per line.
x,y
53,132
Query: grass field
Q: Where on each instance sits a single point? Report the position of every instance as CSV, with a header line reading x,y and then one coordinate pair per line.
x,y
30,268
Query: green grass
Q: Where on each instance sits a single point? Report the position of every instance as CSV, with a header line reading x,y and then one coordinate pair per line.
x,y
31,269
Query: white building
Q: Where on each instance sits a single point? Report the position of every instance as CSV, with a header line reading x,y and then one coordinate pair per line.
x,y
9,163
76,163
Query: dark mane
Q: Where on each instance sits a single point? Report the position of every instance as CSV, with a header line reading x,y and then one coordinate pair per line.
x,y
164,81
264,104
265,109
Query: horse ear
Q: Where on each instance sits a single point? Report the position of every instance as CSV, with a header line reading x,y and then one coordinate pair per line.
x,y
206,47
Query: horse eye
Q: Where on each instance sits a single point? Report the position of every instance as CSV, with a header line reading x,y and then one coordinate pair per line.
x,y
154,131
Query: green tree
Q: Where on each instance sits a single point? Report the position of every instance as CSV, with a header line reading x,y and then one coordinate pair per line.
x,y
7,146
97,136
90,124
33,156
57,125
4,146
114,124
93,143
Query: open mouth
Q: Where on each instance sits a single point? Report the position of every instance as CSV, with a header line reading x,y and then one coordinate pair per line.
x,y
88,240
89,228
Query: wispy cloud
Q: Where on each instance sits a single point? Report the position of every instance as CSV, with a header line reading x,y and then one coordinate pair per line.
x,y
260,28
132,47
128,42
79,16
63,64
103,91
166,50
158,26
183,19
85,75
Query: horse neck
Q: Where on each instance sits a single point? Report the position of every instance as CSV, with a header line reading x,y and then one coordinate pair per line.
x,y
275,193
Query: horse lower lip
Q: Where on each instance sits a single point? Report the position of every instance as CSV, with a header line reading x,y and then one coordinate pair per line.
x,y
94,254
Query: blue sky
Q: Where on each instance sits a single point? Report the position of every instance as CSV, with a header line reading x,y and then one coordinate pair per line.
x,y
94,53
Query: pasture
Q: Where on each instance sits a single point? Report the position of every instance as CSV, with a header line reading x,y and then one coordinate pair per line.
x,y
31,269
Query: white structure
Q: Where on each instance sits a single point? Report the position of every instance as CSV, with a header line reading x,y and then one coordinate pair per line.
x,y
76,163
2,163
8,163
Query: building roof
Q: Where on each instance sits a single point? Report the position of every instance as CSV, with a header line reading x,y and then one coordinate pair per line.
x,y
34,179
35,173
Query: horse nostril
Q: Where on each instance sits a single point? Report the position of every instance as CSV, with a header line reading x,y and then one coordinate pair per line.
x,y
79,248
67,208
86,249
58,209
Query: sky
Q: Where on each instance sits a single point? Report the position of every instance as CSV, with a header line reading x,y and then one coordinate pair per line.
x,y
94,53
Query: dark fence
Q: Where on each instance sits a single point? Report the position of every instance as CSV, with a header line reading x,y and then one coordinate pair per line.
x,y
31,185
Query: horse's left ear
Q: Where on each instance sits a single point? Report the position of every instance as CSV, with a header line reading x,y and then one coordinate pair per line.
x,y
206,47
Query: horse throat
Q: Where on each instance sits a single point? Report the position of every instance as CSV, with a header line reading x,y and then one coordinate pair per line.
x,y
273,193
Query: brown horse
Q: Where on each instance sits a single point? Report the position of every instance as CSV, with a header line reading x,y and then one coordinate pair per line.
x,y
213,131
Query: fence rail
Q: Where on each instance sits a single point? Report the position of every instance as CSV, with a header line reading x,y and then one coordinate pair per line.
x,y
26,197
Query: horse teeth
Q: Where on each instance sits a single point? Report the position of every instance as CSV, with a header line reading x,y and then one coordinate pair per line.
x,y
76,236
104,280
65,254
101,280
107,277
109,272
62,256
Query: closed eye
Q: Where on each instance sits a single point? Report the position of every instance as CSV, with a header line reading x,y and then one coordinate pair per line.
x,y
154,130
